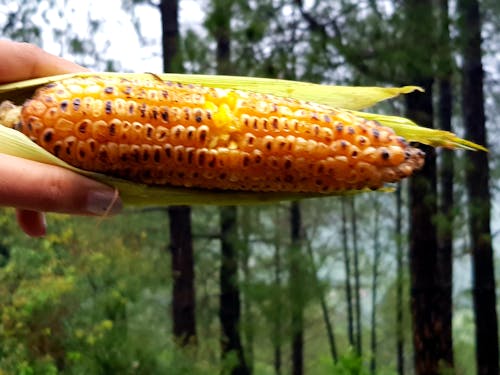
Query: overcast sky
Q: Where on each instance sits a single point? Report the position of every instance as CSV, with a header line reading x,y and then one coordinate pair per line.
x,y
117,36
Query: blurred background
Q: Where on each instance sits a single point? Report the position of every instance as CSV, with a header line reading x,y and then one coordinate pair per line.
x,y
378,283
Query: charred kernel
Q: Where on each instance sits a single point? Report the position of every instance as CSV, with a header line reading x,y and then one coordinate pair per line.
x,y
202,133
149,131
156,154
384,154
190,132
57,148
112,129
164,115
362,141
76,104
81,152
48,135
201,156
168,151
190,155
257,157
108,90
146,152
135,153
64,105
92,145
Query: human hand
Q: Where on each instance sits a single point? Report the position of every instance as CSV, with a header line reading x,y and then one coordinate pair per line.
x,y
34,188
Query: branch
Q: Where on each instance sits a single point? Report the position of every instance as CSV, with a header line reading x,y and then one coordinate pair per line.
x,y
356,59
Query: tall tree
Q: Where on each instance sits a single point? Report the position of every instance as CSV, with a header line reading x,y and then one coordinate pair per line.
x,y
477,184
376,260
247,218
347,270
446,212
219,25
297,289
423,243
277,282
400,359
181,241
357,286
423,201
229,301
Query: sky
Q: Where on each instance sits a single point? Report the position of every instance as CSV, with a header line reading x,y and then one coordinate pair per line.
x,y
116,35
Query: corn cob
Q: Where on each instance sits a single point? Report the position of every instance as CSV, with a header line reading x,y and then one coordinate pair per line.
x,y
167,133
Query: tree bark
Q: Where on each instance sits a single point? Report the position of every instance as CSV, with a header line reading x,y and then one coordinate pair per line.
x,y
357,286
324,307
183,294
445,225
477,184
229,303
376,257
400,359
248,316
296,289
347,270
277,334
423,245
181,241
169,10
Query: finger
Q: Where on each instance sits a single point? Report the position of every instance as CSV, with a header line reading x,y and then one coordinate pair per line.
x,y
32,222
23,61
41,187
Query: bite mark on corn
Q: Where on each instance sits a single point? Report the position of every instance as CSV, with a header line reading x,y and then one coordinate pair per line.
x,y
167,133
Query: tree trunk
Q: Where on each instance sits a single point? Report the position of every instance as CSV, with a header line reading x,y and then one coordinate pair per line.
x,y
248,316
277,326
376,256
230,304
229,307
357,287
169,10
296,290
183,296
400,359
181,241
445,225
347,267
423,245
477,184
324,307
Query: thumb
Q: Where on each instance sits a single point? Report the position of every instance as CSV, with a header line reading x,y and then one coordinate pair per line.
x,y
34,186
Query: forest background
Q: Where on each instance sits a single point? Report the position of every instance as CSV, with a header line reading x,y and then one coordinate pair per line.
x,y
378,283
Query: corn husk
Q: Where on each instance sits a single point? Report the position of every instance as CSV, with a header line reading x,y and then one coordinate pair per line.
x,y
349,98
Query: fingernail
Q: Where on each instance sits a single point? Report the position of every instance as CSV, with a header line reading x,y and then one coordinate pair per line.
x,y
103,202
43,225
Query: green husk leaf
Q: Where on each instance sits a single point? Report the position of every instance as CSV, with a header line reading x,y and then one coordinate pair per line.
x,y
347,97
413,133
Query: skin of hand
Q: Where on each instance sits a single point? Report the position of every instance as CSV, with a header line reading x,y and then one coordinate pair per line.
x,y
34,188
